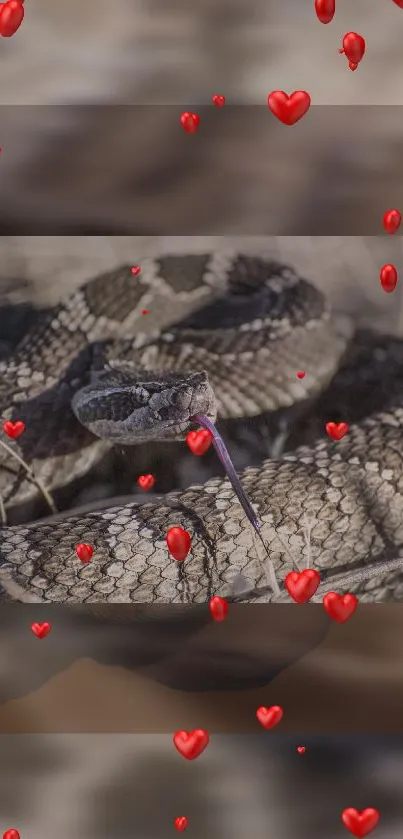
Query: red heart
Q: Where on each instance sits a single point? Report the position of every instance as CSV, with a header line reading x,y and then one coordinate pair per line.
x,y
12,833
218,101
136,270
11,17
84,551
353,47
144,311
14,429
269,717
360,823
218,608
301,585
190,744
336,430
181,823
41,630
199,441
190,122
179,542
301,374
325,10
301,750
388,278
146,481
392,218
340,608
289,109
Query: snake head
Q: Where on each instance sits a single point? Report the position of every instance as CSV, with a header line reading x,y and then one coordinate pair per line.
x,y
126,407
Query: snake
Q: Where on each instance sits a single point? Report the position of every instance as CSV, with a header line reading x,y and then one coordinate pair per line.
x,y
141,355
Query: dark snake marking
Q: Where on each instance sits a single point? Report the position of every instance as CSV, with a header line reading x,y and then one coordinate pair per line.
x,y
249,324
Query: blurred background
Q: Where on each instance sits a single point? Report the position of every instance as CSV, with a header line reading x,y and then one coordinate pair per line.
x,y
135,786
92,94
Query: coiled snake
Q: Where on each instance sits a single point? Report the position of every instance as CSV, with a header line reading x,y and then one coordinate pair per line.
x,y
230,333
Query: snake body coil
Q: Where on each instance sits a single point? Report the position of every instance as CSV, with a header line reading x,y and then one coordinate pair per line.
x,y
230,331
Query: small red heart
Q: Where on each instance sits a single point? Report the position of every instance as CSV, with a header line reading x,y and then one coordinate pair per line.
x,y
218,608
41,630
190,122
392,219
353,47
135,270
301,585
179,542
190,744
12,833
289,109
146,482
325,10
340,608
360,822
388,278
144,311
218,101
11,17
199,441
84,551
14,429
269,717
301,750
336,430
181,823
301,374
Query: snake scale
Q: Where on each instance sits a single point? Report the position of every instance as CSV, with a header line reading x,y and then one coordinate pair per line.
x,y
229,333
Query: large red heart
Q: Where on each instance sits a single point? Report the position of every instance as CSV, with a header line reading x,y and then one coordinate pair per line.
x,y
179,542
199,441
392,218
190,122
190,744
269,717
301,585
84,551
360,823
388,277
14,429
336,430
181,823
41,630
353,46
146,482
11,17
218,608
289,109
340,608
325,10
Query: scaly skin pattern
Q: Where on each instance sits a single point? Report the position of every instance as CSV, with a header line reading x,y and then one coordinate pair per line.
x,y
246,322
352,490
